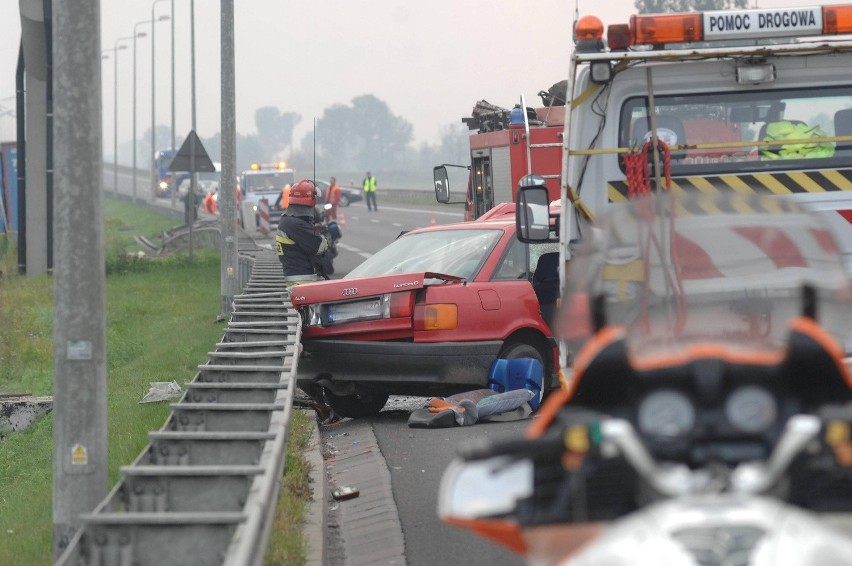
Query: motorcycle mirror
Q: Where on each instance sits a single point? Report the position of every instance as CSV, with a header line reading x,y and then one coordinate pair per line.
x,y
484,488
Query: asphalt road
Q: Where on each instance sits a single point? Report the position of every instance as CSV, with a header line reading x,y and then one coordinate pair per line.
x,y
415,458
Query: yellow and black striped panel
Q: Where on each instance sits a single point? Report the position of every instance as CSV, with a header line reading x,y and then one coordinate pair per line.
x,y
789,183
703,204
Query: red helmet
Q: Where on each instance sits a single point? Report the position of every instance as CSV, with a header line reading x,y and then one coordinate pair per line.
x,y
303,193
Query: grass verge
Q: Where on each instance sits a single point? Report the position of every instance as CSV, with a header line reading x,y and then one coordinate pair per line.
x,y
286,544
160,324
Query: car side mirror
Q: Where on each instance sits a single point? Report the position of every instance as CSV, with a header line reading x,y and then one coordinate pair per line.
x,y
532,211
484,488
442,184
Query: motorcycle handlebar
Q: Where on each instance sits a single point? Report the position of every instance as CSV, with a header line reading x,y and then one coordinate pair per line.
x,y
669,479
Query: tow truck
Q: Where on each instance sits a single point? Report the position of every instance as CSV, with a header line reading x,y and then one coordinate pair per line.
x,y
736,102
508,144
265,181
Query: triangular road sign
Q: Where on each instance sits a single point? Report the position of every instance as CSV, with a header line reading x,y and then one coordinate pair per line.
x,y
181,161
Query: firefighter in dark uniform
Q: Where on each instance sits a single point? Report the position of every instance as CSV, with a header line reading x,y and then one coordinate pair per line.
x,y
300,248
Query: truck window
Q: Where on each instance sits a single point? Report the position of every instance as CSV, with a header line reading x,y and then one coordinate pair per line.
x,y
268,181
739,117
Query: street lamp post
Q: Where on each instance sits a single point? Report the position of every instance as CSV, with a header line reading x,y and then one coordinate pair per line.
x,y
105,54
116,48
135,35
154,187
174,189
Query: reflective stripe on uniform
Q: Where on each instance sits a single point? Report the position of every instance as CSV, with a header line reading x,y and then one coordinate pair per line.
x,y
282,240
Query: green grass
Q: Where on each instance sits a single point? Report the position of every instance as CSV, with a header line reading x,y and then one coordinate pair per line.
x,y
286,545
161,317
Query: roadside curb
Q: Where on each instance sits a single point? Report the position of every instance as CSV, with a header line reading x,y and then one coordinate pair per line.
x,y
315,515
364,530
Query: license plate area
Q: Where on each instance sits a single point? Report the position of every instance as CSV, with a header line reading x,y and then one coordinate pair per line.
x,y
339,313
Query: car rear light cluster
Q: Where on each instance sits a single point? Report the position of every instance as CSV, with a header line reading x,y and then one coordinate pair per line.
x,y
441,316
395,305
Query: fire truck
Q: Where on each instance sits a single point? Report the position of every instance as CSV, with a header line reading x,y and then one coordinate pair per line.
x,y
507,145
737,102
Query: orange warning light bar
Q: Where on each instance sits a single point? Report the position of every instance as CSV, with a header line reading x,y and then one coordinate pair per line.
x,y
670,28
588,28
836,19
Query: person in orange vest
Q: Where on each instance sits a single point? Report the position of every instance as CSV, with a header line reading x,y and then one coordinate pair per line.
x,y
210,203
333,198
283,200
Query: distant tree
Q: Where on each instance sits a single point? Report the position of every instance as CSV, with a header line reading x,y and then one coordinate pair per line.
x,y
455,142
275,129
663,6
383,135
365,135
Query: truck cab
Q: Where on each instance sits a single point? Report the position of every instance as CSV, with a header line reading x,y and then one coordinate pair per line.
x,y
770,117
265,181
734,102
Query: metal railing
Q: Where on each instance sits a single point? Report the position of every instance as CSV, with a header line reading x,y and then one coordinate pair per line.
x,y
205,489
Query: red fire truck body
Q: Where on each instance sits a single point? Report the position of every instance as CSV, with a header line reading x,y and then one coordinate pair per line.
x,y
501,153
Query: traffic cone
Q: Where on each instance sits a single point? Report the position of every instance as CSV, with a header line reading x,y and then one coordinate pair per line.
x,y
433,223
342,220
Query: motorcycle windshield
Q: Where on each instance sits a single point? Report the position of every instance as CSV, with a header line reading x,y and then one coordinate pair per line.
x,y
677,272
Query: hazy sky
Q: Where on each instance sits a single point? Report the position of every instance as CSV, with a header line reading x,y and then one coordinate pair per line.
x,y
429,61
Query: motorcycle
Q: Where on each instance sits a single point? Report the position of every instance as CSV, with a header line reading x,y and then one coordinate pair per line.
x,y
326,226
706,417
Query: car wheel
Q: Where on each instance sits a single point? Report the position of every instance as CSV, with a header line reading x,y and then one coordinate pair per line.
x,y
516,350
344,200
358,406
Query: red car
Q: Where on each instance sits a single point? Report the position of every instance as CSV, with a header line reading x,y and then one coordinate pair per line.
x,y
428,315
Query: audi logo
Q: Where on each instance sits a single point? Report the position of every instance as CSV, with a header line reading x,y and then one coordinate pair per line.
x,y
350,291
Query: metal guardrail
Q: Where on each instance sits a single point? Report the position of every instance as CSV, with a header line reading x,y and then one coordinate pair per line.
x,y
205,489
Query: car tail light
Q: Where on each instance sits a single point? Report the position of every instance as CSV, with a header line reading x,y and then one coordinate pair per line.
x,y
398,305
436,317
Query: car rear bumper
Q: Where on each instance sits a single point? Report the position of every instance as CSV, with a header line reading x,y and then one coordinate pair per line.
x,y
399,366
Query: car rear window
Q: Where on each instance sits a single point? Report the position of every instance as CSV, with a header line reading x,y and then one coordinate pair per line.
x,y
450,252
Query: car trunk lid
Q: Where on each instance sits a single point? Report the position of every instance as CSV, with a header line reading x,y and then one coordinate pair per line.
x,y
351,290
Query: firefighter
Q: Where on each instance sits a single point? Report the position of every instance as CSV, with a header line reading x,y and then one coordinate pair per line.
x,y
300,248
370,192
333,198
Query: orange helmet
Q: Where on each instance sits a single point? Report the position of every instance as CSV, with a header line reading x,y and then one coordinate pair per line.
x,y
303,193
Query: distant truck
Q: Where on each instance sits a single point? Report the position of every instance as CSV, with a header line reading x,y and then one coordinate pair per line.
x,y
265,181
164,180
503,150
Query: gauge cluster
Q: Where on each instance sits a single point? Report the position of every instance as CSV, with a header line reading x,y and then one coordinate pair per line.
x,y
731,426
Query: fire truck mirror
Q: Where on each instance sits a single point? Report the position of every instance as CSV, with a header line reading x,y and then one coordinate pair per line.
x,y
532,214
442,184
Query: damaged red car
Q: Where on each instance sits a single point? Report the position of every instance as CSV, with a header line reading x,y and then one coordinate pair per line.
x,y
428,315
